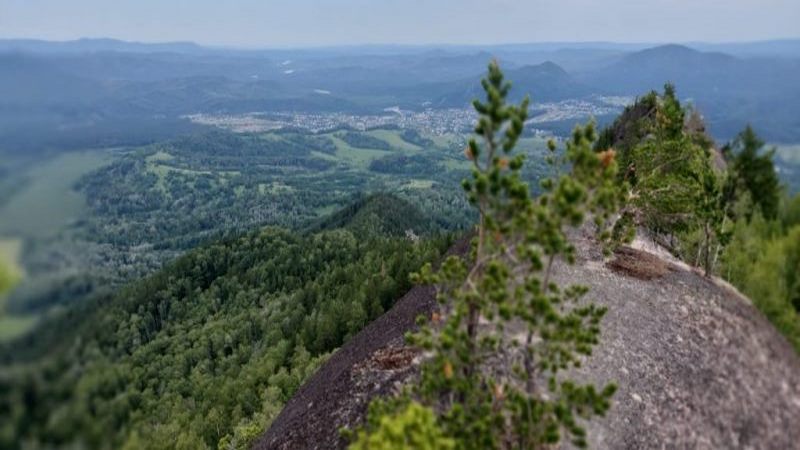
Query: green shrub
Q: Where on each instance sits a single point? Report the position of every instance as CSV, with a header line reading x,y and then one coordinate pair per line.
x,y
412,427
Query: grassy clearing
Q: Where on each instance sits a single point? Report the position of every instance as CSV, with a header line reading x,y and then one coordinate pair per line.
x,y
276,187
533,145
418,184
155,166
356,157
15,326
270,136
12,326
394,139
326,210
48,202
457,164
325,156
162,171
43,207
445,140
160,155
10,253
10,269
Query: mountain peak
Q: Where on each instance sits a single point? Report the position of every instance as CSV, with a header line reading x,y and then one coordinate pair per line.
x,y
377,213
676,53
546,68
671,48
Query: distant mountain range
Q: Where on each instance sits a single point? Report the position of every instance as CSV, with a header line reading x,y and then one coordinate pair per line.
x,y
92,84
97,45
730,91
776,47
694,72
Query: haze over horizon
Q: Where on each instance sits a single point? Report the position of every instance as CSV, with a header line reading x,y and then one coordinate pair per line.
x,y
310,23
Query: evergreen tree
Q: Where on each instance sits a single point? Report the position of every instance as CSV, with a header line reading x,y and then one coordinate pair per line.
x,y
676,192
487,388
711,215
669,182
790,211
753,171
671,115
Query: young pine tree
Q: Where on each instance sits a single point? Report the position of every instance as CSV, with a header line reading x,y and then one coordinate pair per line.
x,y
753,171
507,329
677,193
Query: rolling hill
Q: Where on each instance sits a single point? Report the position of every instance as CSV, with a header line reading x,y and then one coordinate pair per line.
x,y
545,82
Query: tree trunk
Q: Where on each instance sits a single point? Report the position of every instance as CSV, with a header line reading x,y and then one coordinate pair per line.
x,y
707,256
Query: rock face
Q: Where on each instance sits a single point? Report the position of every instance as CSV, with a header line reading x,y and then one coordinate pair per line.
x,y
697,366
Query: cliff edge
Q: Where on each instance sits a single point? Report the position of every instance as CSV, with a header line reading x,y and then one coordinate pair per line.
x,y
696,364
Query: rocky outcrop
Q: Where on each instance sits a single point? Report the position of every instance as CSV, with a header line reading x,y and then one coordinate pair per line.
x,y
696,364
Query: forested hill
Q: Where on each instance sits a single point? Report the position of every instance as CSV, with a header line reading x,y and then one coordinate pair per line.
x,y
205,352
380,213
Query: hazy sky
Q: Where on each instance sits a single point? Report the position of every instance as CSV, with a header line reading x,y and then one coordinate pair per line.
x,y
270,23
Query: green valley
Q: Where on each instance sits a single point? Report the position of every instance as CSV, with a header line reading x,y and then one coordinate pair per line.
x,y
199,245
46,203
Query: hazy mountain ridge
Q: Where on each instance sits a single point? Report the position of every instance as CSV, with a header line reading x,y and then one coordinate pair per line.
x,y
101,82
694,72
787,47
728,90
97,45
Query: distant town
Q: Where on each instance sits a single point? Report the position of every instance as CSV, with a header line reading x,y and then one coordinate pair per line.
x,y
435,122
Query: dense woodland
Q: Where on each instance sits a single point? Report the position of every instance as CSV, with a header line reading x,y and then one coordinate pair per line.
x,y
204,353
762,259
152,203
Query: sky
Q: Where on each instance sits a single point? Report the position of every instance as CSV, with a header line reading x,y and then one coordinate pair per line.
x,y
298,23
